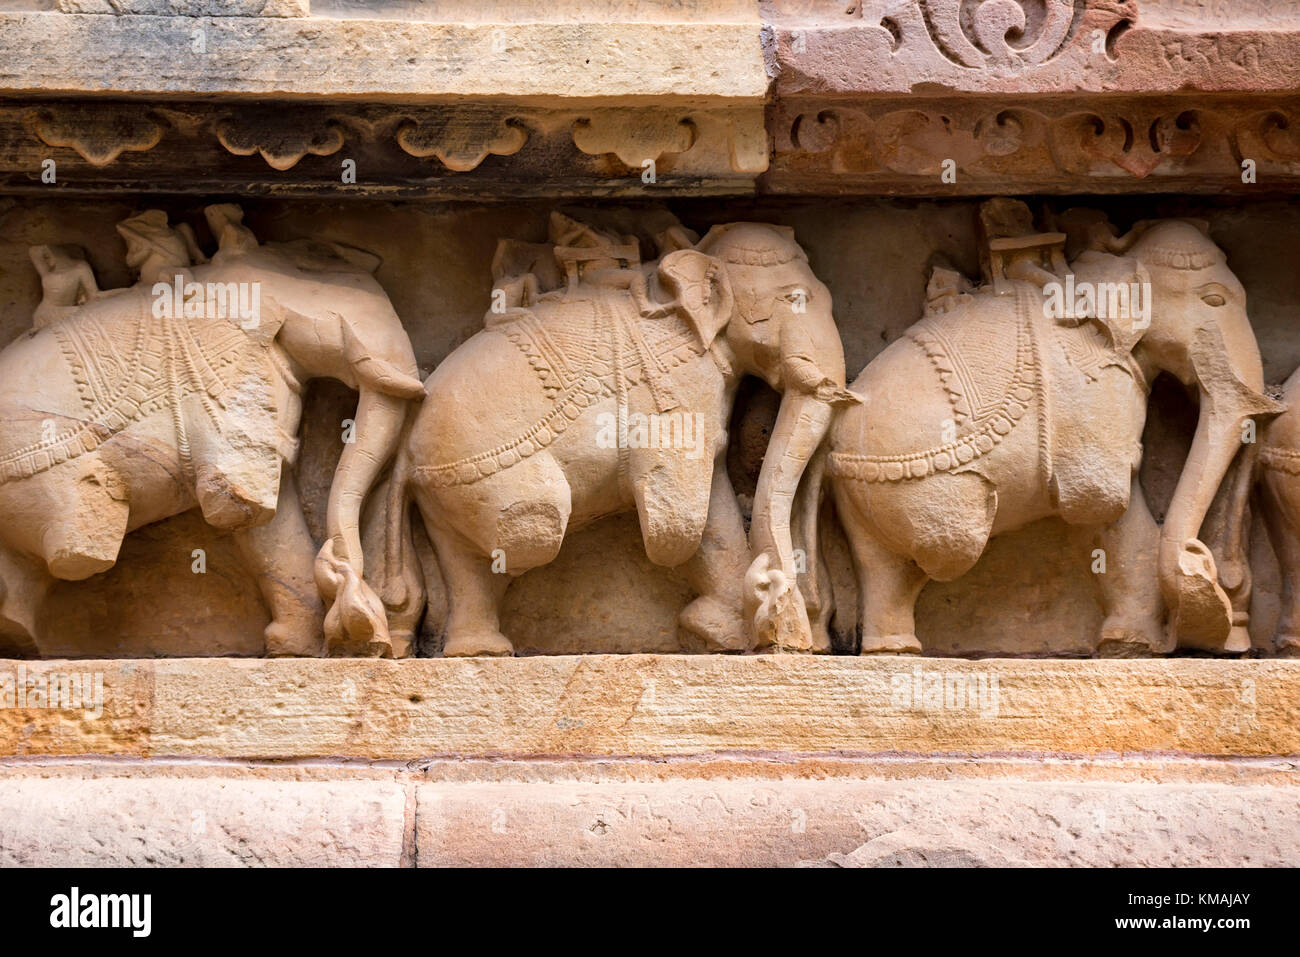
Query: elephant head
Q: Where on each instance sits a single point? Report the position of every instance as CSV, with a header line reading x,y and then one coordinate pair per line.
x,y
752,298
1196,329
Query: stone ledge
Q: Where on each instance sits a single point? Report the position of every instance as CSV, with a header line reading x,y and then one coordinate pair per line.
x,y
134,813
411,61
663,706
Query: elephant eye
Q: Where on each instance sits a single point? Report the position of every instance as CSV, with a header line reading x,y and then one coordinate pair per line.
x,y
1214,296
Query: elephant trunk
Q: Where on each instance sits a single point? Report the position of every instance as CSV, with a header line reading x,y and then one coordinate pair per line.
x,y
776,606
356,622
1201,613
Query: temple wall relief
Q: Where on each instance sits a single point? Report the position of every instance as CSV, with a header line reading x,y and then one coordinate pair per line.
x,y
879,261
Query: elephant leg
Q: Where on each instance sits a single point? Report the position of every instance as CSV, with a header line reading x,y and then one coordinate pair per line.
x,y
24,584
282,555
888,586
474,593
87,511
1280,496
673,494
1130,590
716,572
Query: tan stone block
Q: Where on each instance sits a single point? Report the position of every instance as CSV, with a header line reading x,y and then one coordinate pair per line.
x,y
671,705
190,8
596,62
122,726
156,821
828,812
856,823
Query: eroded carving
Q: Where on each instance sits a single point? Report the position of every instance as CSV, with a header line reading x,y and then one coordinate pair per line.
x,y
1025,396
462,142
633,138
127,406
615,378
99,135
282,143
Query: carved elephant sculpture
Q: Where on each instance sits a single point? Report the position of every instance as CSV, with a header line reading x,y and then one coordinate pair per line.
x,y
606,387
1277,482
129,406
1001,408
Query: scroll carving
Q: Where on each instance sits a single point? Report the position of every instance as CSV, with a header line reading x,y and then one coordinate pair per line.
x,y
633,139
100,136
461,143
282,143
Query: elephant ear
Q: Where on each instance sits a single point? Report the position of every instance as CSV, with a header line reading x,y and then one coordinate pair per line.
x,y
699,285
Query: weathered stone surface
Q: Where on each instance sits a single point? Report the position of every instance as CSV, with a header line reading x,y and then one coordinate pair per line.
x,y
154,821
856,823
650,813
605,60
667,705
928,46
190,8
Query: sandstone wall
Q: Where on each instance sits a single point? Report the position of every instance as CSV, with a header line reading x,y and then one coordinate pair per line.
x,y
425,132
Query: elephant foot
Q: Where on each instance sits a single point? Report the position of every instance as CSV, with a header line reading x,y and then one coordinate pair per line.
x,y
821,637
718,625
356,624
402,643
890,645
1120,638
1288,646
473,644
17,640
1238,642
1202,617
1235,642
294,640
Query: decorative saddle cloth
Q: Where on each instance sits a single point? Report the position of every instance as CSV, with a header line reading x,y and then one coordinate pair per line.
x,y
582,348
988,364
129,364
996,356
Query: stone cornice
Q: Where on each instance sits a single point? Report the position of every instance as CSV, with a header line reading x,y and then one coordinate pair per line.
x,y
947,47
915,97
377,149
978,145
